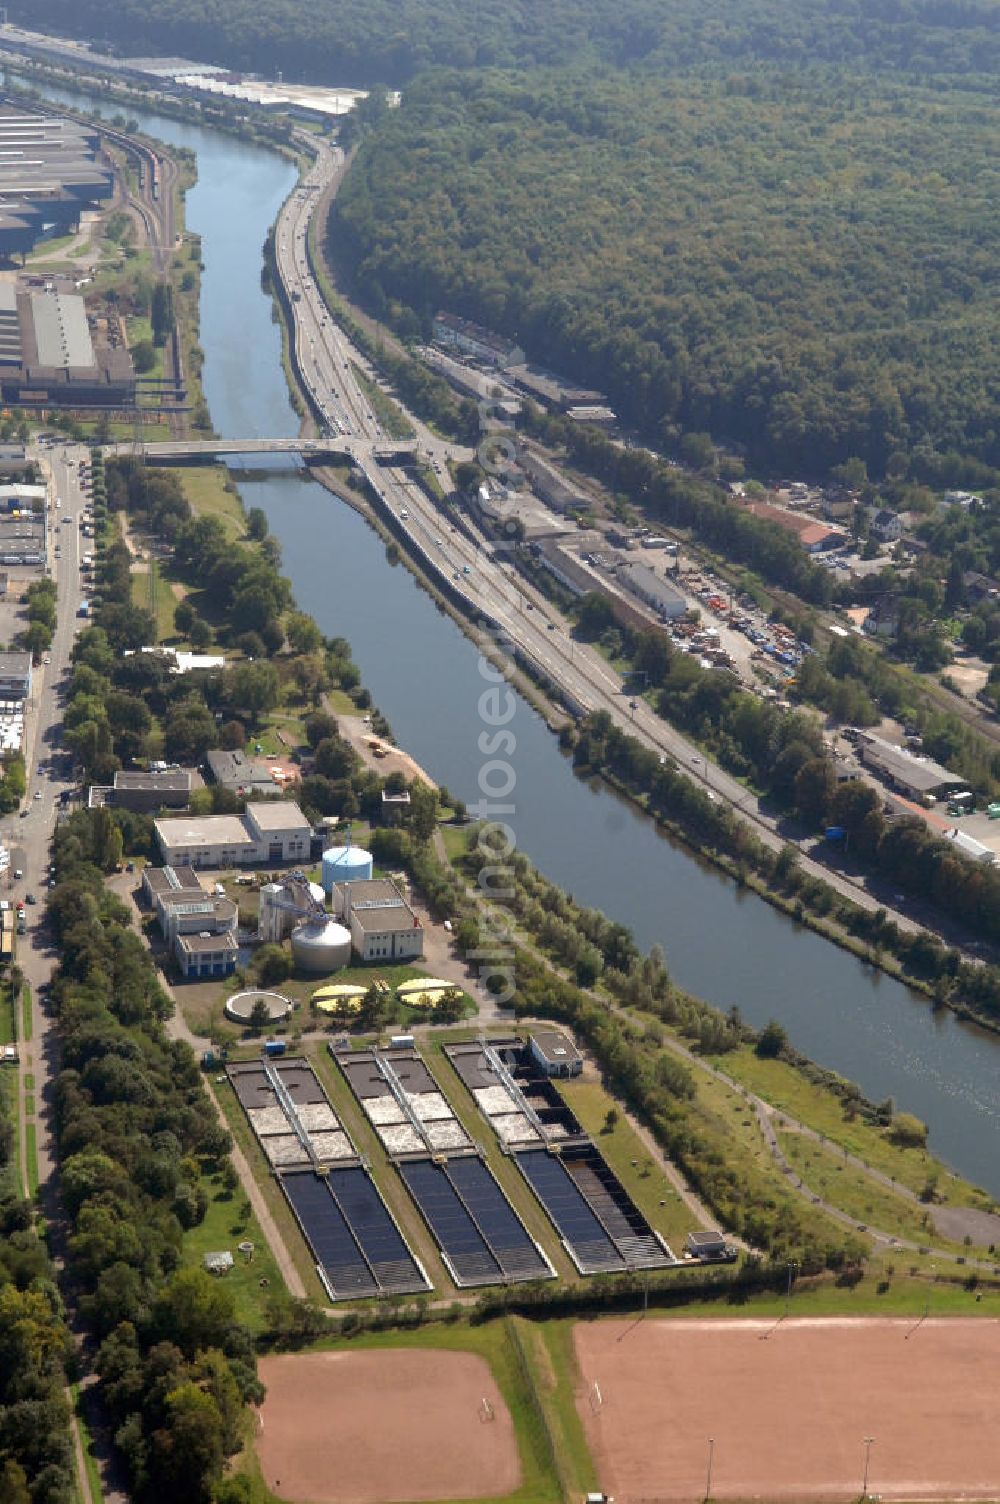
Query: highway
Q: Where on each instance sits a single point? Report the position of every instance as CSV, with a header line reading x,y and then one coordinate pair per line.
x,y
477,569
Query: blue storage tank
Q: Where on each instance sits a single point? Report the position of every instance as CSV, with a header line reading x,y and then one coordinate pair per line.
x,y
346,864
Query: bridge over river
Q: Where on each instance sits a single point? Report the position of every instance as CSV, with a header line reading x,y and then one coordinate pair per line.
x,y
170,451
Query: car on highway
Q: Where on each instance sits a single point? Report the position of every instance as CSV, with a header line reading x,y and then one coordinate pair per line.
x,y
30,898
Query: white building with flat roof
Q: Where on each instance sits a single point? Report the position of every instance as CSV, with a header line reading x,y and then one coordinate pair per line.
x,y
267,834
383,926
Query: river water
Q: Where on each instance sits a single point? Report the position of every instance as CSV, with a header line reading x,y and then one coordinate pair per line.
x,y
721,943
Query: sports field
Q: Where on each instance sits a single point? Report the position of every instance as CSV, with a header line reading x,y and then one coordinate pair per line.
x,y
386,1426
781,1410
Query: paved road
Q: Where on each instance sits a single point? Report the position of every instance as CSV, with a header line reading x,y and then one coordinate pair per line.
x,y
472,564
28,836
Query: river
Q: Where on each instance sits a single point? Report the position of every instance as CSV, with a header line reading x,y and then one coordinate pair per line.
x,y
721,943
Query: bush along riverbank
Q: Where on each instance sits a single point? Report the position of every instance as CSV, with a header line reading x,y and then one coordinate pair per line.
x,y
684,810
578,967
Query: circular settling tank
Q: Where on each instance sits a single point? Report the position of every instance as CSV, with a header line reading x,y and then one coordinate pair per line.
x,y
240,1006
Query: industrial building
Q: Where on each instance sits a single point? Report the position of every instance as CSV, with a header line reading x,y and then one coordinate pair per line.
x,y
708,1245
47,354
294,906
547,483
815,537
50,171
555,1053
652,590
919,777
492,349
503,402
248,776
267,834
970,847
383,926
554,392
15,676
305,101
168,788
200,928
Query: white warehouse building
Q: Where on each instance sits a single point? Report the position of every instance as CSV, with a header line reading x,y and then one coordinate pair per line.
x,y
266,835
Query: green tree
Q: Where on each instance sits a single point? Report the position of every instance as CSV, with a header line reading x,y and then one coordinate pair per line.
x,y
770,1041
143,357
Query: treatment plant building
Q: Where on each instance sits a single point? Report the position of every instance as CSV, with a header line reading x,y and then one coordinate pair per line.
x,y
200,928
268,834
383,926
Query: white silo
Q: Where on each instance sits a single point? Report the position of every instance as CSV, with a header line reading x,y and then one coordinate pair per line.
x,y
276,918
346,864
321,945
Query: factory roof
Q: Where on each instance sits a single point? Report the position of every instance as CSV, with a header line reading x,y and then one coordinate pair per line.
x,y
62,334
172,880
277,814
236,770
170,778
225,940
376,904
555,1047
919,773
204,830
186,901
643,580
552,388
15,665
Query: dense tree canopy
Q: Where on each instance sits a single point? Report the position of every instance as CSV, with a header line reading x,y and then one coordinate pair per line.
x,y
351,41
799,263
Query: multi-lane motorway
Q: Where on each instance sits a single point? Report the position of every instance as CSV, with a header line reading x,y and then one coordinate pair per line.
x,y
470,561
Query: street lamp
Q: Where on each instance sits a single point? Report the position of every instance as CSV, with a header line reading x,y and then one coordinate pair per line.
x,y
868,1454
788,1290
711,1458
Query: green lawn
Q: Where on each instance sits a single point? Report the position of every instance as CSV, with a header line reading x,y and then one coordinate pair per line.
x,y
140,329
825,1172
228,1221
10,1173
632,1162
820,1109
153,592
212,494
203,1003
26,1007
31,1145
8,1030
340,703
276,1203
456,841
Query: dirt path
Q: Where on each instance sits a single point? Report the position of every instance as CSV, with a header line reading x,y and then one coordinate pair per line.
x,y
353,729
